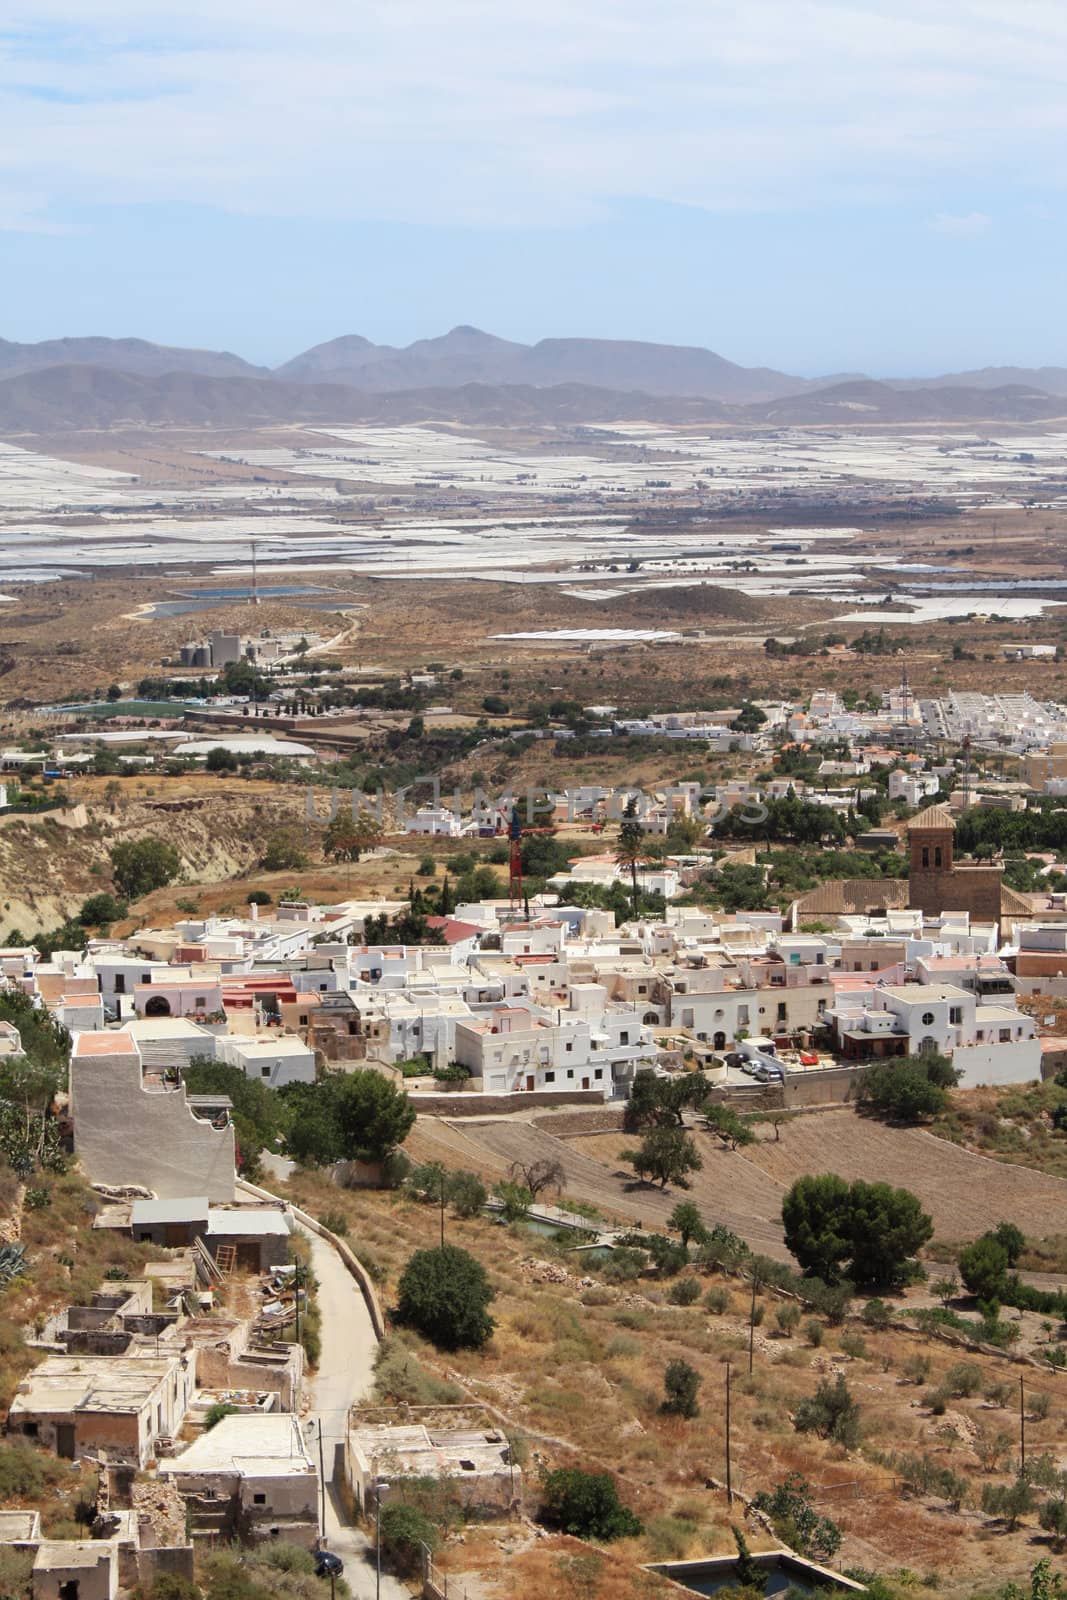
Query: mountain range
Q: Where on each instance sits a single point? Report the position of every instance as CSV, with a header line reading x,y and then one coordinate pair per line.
x,y
470,376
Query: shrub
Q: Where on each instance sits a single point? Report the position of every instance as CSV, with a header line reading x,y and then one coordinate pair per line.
x,y
586,1504
877,1315
788,1317
515,1201
686,1292
853,1345
814,1332
445,1295
681,1383
405,1530
1008,1502
964,1379
716,1300
796,1522
335,1222
831,1413
467,1194
623,1265
216,1413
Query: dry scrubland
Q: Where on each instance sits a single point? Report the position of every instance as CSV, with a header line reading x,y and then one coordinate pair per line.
x,y
577,1365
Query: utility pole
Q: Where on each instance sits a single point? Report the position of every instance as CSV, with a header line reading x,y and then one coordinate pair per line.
x,y
322,1483
296,1293
1022,1426
752,1323
729,1473
442,1209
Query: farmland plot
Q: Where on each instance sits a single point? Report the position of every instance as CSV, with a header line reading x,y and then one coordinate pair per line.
x,y
728,1190
965,1194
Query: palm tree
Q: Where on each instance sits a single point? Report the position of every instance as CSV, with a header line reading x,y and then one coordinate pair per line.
x,y
630,850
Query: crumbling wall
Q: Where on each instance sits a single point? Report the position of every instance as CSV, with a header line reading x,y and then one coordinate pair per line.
x,y
125,1134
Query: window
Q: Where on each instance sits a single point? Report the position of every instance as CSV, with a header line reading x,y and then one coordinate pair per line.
x,y
569,1046
303,1019
955,1014
928,1019
781,1011
120,983
570,1072
550,1077
599,1073
926,856
264,1072
937,856
259,1499
624,1038
642,988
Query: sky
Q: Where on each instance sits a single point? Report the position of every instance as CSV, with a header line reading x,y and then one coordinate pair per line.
x,y
819,187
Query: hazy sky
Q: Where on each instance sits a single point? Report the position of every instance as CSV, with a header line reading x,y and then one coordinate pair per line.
x,y
817,186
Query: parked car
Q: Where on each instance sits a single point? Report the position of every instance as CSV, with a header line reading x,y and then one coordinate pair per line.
x,y
327,1565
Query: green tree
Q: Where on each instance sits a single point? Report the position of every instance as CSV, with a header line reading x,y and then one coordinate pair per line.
x,y
984,1267
815,1214
887,1227
661,1102
283,851
346,836
259,1114
140,865
871,1227
586,1504
350,1116
665,1155
99,910
631,846
681,1383
909,1089
1012,1238
445,1295
405,1530
221,760
686,1220
724,1121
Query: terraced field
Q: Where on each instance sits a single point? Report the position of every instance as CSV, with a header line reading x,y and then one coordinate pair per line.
x,y
729,1190
964,1193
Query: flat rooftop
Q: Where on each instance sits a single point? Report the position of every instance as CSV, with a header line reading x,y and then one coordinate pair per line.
x,y
270,1445
117,1043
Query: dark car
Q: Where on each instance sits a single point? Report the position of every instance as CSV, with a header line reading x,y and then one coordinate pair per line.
x,y
327,1565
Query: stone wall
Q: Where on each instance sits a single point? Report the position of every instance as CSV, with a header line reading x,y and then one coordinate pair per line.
x,y
497,1105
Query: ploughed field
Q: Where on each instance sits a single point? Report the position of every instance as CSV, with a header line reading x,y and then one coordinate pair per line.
x,y
964,1193
729,1190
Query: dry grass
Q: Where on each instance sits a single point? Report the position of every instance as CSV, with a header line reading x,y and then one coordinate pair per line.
x,y
581,1374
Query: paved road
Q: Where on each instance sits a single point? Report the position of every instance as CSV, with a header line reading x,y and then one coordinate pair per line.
x,y
344,1375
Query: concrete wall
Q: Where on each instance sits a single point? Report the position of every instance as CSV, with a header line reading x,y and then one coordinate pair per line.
x,y
125,1134
59,1562
982,1065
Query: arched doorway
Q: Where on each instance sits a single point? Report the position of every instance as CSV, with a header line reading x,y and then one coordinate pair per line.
x,y
158,1006
719,1041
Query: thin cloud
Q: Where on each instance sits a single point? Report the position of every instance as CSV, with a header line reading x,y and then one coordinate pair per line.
x,y
968,225
526,114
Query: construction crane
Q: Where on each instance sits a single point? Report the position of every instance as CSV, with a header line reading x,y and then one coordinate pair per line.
x,y
516,834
